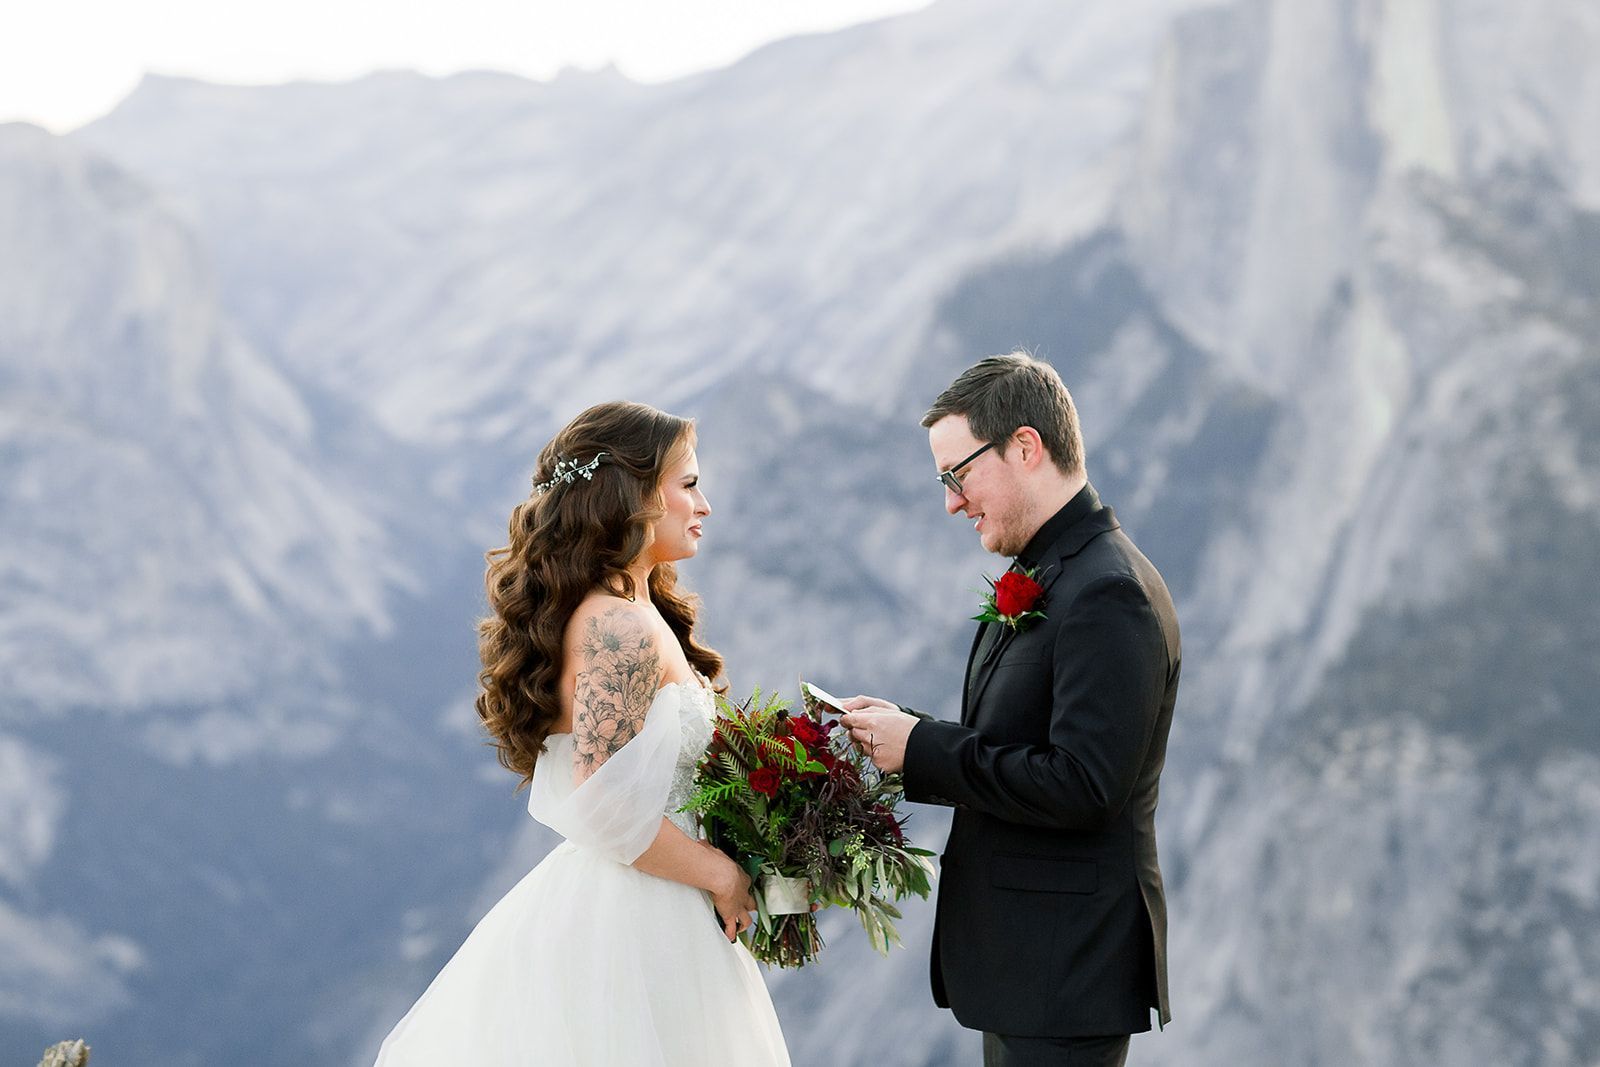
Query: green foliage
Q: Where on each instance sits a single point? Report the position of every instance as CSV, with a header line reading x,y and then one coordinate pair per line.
x,y
715,795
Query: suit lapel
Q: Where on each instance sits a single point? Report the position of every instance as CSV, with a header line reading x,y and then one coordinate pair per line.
x,y
973,661
992,659
985,646
1070,542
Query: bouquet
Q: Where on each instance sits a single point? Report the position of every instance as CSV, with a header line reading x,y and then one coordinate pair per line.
x,y
810,819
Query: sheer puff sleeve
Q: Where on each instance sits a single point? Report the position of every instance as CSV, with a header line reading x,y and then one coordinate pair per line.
x,y
617,810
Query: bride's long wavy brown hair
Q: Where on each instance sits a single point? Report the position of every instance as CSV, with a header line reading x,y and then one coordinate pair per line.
x,y
564,544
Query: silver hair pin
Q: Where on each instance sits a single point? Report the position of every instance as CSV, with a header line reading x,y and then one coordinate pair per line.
x,y
567,470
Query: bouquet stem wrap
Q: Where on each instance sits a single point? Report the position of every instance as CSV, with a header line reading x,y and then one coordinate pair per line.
x,y
786,896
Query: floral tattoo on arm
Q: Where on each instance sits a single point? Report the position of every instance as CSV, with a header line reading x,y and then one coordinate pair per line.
x,y
614,687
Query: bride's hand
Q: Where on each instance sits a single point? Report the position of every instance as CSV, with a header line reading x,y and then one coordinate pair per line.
x,y
732,898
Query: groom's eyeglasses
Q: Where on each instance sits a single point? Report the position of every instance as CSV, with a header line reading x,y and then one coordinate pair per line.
x,y
949,477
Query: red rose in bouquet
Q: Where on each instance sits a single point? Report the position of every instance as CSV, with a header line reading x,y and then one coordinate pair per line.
x,y
809,733
766,780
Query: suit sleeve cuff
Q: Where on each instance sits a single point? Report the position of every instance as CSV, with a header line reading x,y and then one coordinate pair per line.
x,y
931,761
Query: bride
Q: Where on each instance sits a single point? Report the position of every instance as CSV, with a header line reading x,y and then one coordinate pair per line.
x,y
620,948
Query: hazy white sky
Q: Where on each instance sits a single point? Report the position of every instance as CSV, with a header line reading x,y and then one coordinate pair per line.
x,y
64,62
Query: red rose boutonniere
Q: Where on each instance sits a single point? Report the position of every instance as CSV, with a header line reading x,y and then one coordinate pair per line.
x,y
1013,599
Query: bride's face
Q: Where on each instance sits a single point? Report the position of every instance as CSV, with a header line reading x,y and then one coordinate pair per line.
x,y
677,533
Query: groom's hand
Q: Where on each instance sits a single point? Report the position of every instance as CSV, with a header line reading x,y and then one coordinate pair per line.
x,y
880,729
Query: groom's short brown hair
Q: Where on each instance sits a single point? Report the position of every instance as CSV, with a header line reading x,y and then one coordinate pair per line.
x,y
1002,393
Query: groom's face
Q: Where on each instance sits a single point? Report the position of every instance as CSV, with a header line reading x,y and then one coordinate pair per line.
x,y
990,495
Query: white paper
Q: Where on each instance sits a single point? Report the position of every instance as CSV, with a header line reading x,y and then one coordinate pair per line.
x,y
827,698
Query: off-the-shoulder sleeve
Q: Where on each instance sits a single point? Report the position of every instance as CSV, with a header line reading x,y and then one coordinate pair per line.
x,y
617,810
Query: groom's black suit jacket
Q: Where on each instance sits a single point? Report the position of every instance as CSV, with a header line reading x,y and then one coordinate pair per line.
x,y
1051,920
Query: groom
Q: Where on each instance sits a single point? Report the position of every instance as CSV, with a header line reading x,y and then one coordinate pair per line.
x,y
1051,925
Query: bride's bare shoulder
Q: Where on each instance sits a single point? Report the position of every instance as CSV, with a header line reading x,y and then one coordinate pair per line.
x,y
615,631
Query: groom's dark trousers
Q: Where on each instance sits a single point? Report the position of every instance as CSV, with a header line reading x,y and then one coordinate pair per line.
x,y
999,1051
1051,920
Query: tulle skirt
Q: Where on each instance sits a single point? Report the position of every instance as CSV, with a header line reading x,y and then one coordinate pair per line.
x,y
589,963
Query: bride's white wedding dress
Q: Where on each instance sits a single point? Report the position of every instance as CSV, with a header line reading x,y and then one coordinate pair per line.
x,y
587,961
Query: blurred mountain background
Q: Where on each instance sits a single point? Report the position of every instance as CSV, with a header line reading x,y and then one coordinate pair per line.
x,y
1323,276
